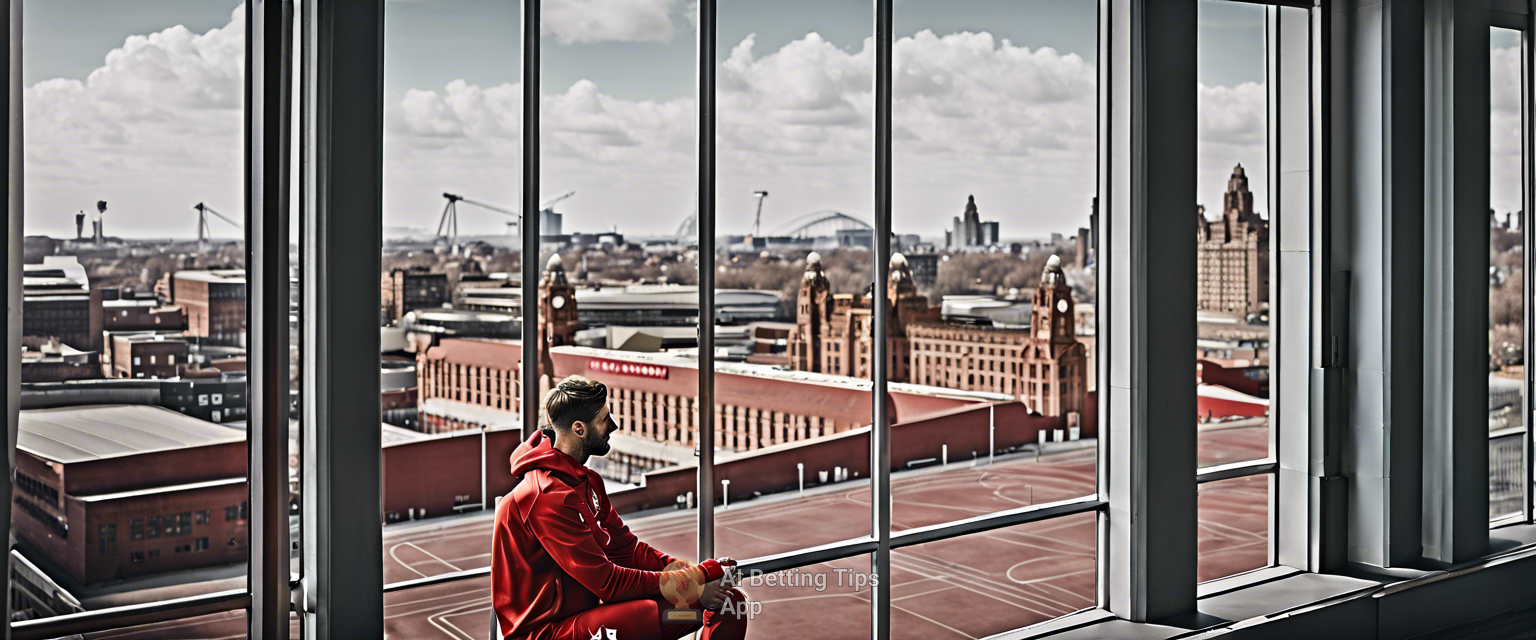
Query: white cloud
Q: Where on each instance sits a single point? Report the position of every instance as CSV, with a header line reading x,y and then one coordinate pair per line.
x,y
159,123
154,130
580,21
1504,128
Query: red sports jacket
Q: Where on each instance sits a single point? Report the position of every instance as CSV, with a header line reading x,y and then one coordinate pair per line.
x,y
560,549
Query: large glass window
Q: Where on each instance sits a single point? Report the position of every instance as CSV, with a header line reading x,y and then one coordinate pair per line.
x,y
794,344
618,295
1508,436
449,367
135,297
993,326
1235,293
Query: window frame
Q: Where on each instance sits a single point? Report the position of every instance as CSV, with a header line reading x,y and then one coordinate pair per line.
x,y
333,61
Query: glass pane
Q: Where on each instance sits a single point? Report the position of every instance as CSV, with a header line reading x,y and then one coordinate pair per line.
x,y
1507,437
619,297
1232,255
1234,526
987,583
794,323
994,293
451,167
135,294
230,624
828,600
459,609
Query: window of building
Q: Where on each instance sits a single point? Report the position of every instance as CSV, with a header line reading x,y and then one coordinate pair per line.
x,y
108,539
136,556
203,517
1508,469
153,529
136,529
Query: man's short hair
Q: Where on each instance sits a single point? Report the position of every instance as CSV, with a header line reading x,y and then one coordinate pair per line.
x,y
575,399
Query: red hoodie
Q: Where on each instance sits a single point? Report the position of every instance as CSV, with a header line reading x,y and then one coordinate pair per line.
x,y
559,548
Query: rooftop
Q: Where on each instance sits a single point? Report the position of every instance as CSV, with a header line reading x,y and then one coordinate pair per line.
x,y
230,276
82,434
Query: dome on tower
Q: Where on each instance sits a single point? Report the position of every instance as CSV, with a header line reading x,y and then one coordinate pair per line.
x,y
555,264
1053,276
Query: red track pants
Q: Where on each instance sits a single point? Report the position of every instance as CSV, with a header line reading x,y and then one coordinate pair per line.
x,y
641,620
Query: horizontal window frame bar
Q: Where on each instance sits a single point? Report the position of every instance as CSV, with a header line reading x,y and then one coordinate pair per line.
x,y
1001,519
1507,432
1507,19
1295,4
130,615
442,578
1236,470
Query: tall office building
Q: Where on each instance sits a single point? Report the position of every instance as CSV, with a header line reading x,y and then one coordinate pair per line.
x,y
1233,253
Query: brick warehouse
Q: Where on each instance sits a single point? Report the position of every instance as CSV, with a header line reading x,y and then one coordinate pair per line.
x,y
112,491
214,302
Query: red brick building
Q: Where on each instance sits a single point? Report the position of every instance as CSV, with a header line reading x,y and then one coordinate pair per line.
x,y
142,315
145,355
1046,366
833,331
214,302
111,491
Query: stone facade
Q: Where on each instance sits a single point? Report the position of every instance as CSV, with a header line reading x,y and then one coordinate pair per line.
x,y
1045,366
1233,254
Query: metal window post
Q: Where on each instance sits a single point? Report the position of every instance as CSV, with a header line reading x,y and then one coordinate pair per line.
x,y
880,430
528,227
343,104
268,107
1455,286
1147,189
705,223
10,266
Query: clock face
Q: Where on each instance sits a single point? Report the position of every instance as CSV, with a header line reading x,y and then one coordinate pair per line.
x,y
1061,305
558,302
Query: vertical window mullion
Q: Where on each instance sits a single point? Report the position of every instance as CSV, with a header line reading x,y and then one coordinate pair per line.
x,y
10,267
880,431
1147,175
528,224
343,136
705,224
268,46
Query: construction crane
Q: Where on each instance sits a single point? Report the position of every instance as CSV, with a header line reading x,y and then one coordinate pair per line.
x,y
203,231
757,221
448,224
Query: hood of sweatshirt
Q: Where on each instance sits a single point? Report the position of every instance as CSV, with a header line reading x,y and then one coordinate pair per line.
x,y
539,452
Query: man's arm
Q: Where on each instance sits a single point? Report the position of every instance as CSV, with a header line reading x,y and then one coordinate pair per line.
x,y
568,540
626,549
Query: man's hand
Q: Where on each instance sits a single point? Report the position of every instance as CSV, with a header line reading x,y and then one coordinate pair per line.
x,y
714,595
715,592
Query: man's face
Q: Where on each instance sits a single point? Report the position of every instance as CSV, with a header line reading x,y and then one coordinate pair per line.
x,y
599,431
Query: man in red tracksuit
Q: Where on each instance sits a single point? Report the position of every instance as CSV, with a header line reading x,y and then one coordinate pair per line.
x,y
564,565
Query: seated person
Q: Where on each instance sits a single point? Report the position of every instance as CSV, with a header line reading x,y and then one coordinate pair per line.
x,y
564,565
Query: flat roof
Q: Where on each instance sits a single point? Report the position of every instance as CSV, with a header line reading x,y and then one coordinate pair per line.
x,y
96,432
232,276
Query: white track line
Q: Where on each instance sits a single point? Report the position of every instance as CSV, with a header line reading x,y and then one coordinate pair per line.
x,y
434,556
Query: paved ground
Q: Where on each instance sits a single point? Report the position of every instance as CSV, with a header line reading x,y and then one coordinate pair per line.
x,y
962,588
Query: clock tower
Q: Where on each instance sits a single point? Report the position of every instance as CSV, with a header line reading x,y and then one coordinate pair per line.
x,y
557,308
1052,318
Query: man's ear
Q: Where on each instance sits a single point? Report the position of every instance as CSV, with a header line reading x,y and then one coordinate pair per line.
x,y
579,428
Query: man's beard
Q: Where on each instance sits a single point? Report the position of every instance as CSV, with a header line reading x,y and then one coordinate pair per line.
x,y
596,445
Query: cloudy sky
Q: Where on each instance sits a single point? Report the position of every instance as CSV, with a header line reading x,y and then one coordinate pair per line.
x,y
138,103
